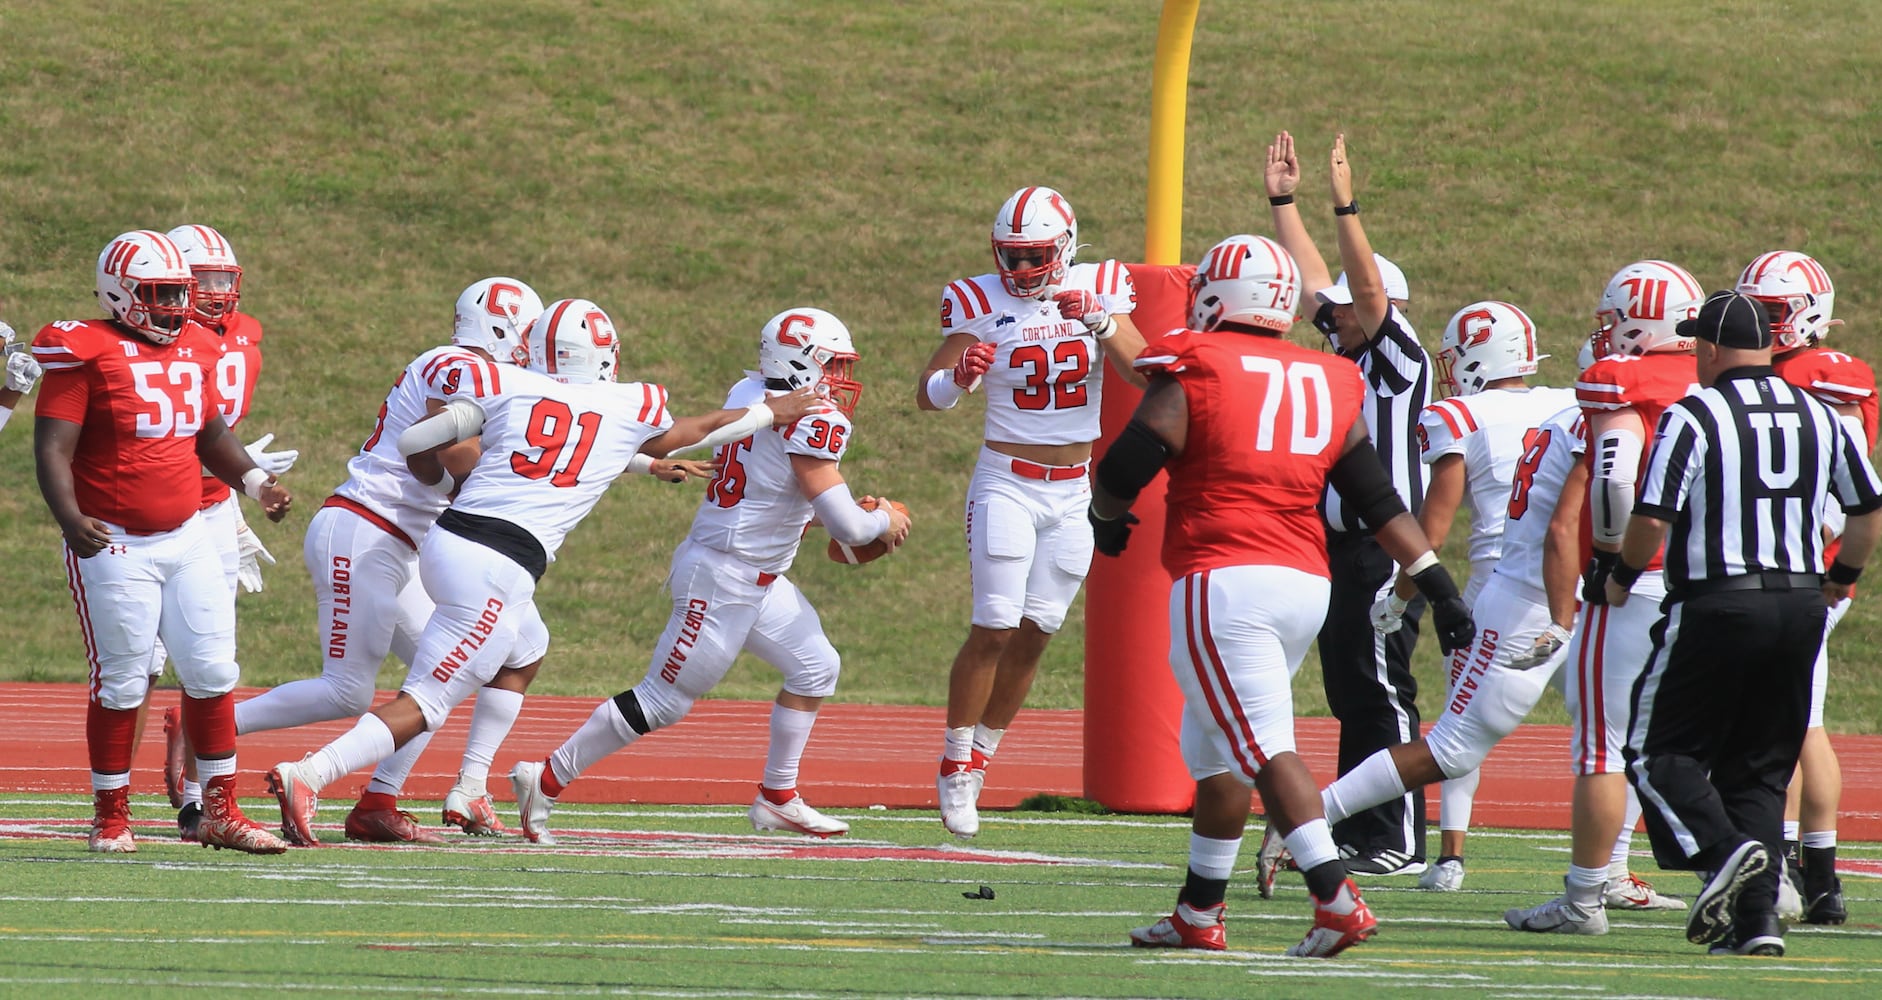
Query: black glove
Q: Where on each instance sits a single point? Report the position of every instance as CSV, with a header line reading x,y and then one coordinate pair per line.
x,y
1111,536
1449,614
1594,580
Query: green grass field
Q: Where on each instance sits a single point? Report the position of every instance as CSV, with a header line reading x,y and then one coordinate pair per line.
x,y
689,903
697,166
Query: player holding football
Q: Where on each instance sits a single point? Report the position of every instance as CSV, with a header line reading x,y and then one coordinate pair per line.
x,y
1646,368
729,588
1801,301
553,441
1252,429
1032,332
129,416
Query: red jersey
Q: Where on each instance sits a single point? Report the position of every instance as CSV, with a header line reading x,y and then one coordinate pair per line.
x,y
238,368
139,406
1646,384
1833,377
1267,420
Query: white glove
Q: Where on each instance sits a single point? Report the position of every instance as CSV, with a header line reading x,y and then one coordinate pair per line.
x,y
22,371
273,463
1388,613
251,554
1547,645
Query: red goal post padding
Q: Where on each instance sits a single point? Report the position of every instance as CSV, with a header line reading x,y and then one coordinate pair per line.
x,y
1133,710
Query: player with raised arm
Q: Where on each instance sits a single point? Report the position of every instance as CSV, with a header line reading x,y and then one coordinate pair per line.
x,y
1033,332
21,371
729,588
1252,429
557,436
128,418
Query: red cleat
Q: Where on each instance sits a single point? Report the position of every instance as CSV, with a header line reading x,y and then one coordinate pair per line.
x,y
111,823
1186,928
223,825
1333,932
379,825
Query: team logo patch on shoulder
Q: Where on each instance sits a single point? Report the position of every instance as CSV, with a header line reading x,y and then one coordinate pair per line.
x,y
1004,319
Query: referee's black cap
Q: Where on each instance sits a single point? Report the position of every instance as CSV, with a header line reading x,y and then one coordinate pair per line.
x,y
1730,319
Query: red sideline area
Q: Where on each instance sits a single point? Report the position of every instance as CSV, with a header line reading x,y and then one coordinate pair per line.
x,y
861,755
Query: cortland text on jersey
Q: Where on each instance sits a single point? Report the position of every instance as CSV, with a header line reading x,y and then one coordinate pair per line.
x,y
472,641
694,620
1052,331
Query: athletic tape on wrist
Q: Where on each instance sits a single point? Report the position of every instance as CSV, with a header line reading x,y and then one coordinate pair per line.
x,y
252,482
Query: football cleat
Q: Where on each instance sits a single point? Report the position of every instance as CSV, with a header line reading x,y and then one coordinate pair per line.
x,y
1712,909
223,824
1333,932
174,750
1445,876
298,801
1790,902
474,814
111,822
1636,893
795,816
1559,916
1185,928
1383,862
531,801
959,792
386,826
1827,907
1762,936
1269,861
188,819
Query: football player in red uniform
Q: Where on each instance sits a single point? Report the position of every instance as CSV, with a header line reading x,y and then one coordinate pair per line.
x,y
1252,429
128,419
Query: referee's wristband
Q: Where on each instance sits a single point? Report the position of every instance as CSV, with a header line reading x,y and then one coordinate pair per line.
x,y
1624,574
1842,573
1277,200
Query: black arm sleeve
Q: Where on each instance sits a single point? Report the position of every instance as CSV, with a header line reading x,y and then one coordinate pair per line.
x,y
1132,461
1363,484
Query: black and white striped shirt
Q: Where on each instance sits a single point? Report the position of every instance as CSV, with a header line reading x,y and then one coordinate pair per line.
x,y
1741,469
1398,384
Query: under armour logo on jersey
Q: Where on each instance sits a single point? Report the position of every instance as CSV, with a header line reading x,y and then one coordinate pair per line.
x,y
241,341
186,352
118,550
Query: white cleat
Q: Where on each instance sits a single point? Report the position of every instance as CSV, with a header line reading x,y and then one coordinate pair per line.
x,y
1445,876
960,794
795,816
474,814
532,802
1635,893
1558,916
1790,902
1269,861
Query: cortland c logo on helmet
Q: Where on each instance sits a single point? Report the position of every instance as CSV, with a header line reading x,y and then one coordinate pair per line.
x,y
479,634
789,339
1475,327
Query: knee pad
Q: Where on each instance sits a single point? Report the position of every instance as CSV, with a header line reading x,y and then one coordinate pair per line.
x,y
121,694
660,705
816,678
209,679
1455,757
629,707
348,693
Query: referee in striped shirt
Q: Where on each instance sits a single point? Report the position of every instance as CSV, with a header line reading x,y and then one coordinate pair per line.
x,y
1740,472
1368,677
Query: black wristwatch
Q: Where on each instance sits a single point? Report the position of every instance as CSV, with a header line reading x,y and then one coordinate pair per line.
x,y
1350,208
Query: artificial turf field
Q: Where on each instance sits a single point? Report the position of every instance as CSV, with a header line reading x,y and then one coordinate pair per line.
x,y
688,902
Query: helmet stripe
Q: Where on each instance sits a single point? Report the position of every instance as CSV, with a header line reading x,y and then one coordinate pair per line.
x,y
548,335
1019,208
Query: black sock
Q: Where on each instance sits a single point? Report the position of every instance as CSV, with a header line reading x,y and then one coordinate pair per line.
x,y
1324,880
1819,871
1791,853
1442,858
1202,893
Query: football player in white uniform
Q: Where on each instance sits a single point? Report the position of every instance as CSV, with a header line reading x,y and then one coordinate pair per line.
x,y
22,372
1473,441
1032,333
728,584
553,440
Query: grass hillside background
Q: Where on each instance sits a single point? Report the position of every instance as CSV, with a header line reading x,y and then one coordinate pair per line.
x,y
695,167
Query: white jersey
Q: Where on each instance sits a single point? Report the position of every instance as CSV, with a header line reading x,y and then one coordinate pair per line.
x,y
377,477
1047,374
1491,430
754,509
551,450
1536,488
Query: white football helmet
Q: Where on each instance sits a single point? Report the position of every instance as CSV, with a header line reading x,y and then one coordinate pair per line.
x,y
1642,305
1035,238
1796,292
218,276
492,314
145,284
572,341
810,347
1245,279
1592,350
1484,342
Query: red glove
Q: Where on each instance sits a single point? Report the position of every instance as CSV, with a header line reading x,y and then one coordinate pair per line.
x,y
974,363
1086,308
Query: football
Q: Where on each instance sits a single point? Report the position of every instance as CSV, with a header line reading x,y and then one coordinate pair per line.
x,y
856,555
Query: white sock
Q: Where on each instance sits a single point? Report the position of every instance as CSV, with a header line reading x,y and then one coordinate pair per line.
x,y
1458,795
1585,886
959,742
987,740
1375,780
106,782
367,743
605,732
1212,858
790,731
1791,827
389,777
1624,844
296,703
1820,839
207,769
192,791
1311,844
491,720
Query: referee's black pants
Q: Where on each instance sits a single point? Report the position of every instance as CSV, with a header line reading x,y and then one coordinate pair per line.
x,y
1370,688
1718,718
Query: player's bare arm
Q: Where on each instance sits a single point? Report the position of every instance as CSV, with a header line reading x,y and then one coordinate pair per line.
x,y
1370,304
1561,552
222,453
842,515
1281,179
722,426
1161,421
54,444
1860,535
959,362
1644,537
1123,347
1443,495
